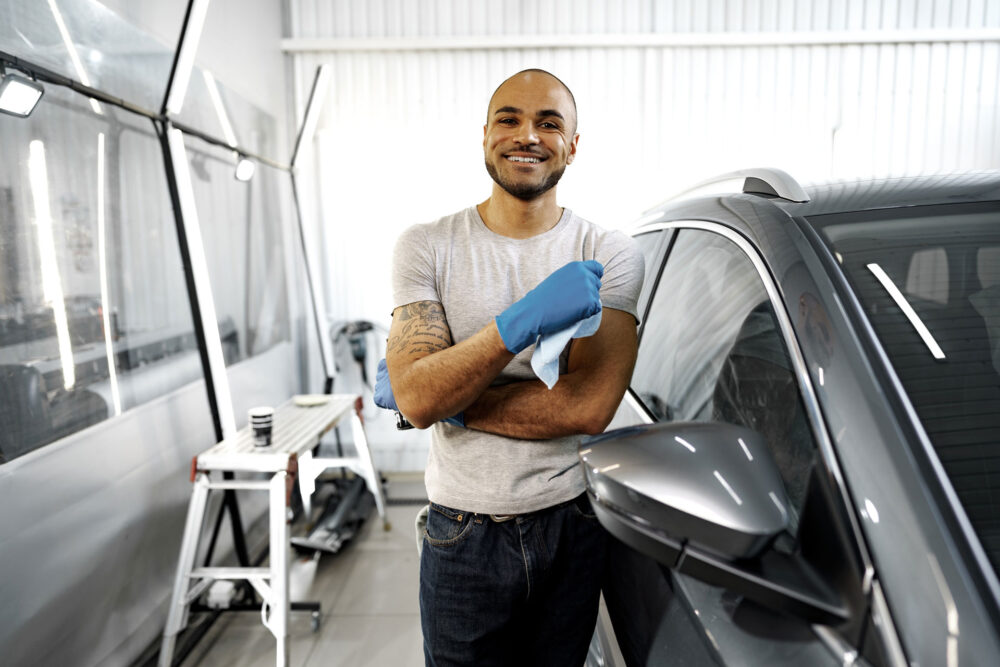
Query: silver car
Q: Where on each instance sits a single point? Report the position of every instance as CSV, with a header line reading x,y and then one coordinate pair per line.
x,y
805,469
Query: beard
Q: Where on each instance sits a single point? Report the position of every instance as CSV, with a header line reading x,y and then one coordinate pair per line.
x,y
524,191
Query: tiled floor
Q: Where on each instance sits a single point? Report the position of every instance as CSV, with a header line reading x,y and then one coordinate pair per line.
x,y
369,596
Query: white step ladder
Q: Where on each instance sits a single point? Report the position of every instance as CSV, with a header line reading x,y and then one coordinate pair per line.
x,y
296,431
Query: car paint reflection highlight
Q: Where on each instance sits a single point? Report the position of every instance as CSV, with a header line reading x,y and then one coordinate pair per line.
x,y
727,487
745,450
904,305
870,511
685,443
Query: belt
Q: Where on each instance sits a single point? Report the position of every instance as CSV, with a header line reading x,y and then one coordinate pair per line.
x,y
580,499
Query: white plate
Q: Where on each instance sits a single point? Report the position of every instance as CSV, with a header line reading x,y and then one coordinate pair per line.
x,y
310,400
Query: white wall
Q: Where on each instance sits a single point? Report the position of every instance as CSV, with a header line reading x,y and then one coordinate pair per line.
x,y
669,93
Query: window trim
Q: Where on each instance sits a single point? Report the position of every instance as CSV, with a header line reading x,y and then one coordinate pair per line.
x,y
669,236
806,389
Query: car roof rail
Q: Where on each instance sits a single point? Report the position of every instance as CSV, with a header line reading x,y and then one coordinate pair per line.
x,y
761,180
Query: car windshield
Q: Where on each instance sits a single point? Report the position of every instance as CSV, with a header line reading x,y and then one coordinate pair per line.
x,y
928,279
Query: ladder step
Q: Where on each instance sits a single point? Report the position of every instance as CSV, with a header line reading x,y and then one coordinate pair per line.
x,y
241,484
230,573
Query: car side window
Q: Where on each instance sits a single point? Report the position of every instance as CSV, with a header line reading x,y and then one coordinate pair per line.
x,y
712,350
651,244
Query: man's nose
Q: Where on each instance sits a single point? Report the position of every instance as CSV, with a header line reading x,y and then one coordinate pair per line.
x,y
526,134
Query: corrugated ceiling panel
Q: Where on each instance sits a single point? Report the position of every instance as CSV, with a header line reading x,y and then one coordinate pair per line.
x,y
409,18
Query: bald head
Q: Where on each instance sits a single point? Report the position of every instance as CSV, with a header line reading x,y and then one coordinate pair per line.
x,y
533,77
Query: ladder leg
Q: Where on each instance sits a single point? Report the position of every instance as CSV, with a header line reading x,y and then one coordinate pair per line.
x,y
177,614
308,470
367,465
280,605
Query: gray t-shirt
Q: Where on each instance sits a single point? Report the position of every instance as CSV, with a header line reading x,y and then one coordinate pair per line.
x,y
476,274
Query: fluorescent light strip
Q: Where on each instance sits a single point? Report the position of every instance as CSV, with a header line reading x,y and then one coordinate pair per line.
x,y
313,109
185,60
203,284
220,111
73,54
102,260
38,175
907,309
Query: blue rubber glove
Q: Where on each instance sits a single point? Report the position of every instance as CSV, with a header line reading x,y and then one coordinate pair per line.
x,y
567,296
383,389
384,398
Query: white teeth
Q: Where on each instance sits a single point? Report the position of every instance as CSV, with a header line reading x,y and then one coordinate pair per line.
x,y
518,158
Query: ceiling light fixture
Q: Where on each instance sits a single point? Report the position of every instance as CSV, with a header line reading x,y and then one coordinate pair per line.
x,y
18,95
244,168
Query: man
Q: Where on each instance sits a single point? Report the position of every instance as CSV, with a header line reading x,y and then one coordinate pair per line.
x,y
512,553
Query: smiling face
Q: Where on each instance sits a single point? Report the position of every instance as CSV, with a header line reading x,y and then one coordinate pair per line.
x,y
530,134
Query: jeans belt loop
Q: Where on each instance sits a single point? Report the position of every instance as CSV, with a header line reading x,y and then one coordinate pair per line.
x,y
500,518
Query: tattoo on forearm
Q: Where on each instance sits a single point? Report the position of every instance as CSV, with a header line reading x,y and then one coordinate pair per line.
x,y
423,329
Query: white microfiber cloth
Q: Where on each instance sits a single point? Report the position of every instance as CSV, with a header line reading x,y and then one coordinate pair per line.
x,y
545,359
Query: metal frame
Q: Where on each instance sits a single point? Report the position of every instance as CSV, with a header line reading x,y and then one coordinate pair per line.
x,y
189,276
197,265
317,95
46,75
187,47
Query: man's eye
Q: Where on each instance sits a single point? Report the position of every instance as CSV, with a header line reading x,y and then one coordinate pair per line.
x,y
506,121
549,126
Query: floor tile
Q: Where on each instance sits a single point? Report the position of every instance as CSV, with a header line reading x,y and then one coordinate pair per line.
x,y
239,639
369,641
399,537
380,582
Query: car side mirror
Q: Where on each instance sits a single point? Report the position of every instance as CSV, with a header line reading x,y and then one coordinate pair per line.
x,y
705,499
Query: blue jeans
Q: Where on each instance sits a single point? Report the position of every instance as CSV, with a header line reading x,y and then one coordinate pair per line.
x,y
516,590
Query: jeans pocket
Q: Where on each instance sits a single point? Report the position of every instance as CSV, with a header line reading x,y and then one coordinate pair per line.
x,y
583,508
446,526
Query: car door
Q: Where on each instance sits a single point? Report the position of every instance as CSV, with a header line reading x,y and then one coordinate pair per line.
x,y
711,349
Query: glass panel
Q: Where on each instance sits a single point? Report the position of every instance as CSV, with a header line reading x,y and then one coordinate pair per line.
x,y
212,108
88,42
712,351
930,286
94,314
246,119
242,227
651,244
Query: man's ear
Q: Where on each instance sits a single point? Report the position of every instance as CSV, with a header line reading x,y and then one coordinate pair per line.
x,y
572,149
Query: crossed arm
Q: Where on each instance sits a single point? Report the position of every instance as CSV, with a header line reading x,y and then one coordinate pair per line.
x,y
433,379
